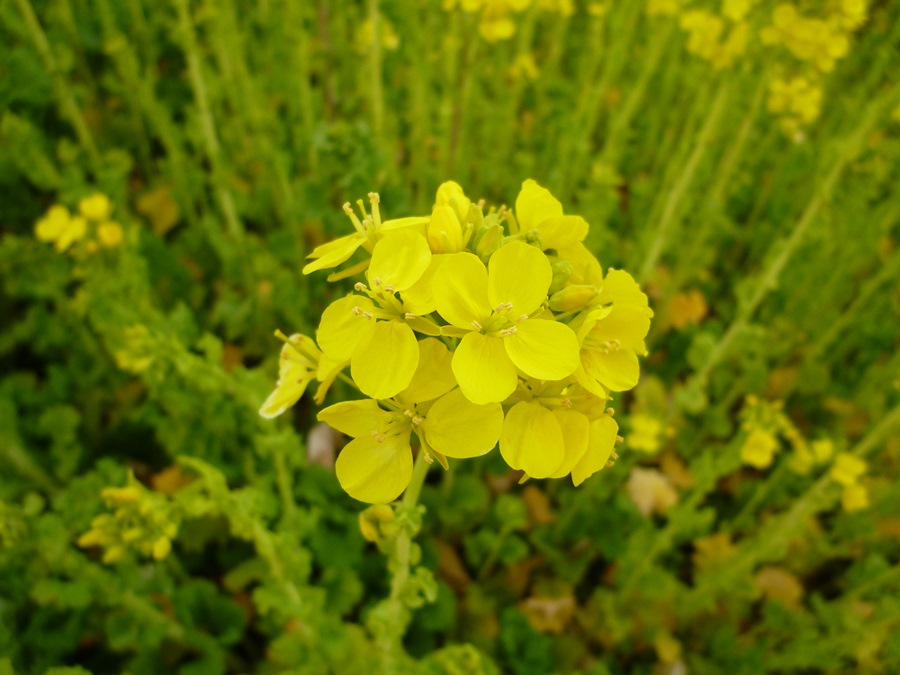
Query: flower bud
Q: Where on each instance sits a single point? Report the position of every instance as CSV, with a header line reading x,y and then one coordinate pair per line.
x,y
572,298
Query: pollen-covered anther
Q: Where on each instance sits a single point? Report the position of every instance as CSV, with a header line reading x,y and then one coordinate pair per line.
x,y
522,318
503,306
566,403
374,198
428,458
409,316
348,209
377,435
476,325
360,286
619,440
508,331
376,281
389,289
610,412
359,311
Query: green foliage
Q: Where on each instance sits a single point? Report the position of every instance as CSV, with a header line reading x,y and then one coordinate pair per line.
x,y
227,138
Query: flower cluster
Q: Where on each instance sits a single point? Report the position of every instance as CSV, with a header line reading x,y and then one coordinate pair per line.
x,y
142,521
472,328
847,471
92,224
817,44
796,102
715,39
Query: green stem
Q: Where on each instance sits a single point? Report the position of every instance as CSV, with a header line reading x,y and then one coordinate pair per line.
x,y
668,221
207,123
67,99
769,278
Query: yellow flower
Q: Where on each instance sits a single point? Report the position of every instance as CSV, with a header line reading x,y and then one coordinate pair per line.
x,y
376,466
369,232
60,227
847,469
375,333
611,337
95,207
855,497
494,310
301,362
759,449
556,429
110,234
540,217
646,431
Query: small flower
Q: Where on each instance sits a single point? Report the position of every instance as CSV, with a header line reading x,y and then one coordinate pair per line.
x,y
759,449
110,234
847,469
495,312
60,227
96,207
376,466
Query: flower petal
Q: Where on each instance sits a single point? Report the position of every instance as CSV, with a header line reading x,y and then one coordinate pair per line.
x,y
600,446
445,234
356,418
534,205
617,371
461,290
627,324
418,299
456,427
547,350
399,260
519,274
576,433
483,370
620,288
334,252
288,391
375,472
385,360
434,374
340,329
532,440
562,231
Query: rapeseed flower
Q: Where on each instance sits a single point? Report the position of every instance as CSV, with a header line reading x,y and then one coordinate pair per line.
x,y
495,310
300,363
374,332
60,227
376,466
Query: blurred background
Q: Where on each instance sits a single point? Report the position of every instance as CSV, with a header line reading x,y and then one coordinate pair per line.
x,y
165,167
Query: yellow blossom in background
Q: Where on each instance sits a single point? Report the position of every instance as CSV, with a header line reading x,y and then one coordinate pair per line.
x,y
646,434
664,7
95,207
818,42
854,497
759,449
847,469
710,38
797,102
651,491
141,521
688,307
736,10
110,234
300,363
60,227
524,68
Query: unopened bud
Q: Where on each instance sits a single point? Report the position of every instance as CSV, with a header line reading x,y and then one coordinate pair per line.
x,y
572,298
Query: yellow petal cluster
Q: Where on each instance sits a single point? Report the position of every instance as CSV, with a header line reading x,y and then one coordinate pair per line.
x,y
472,328
64,229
